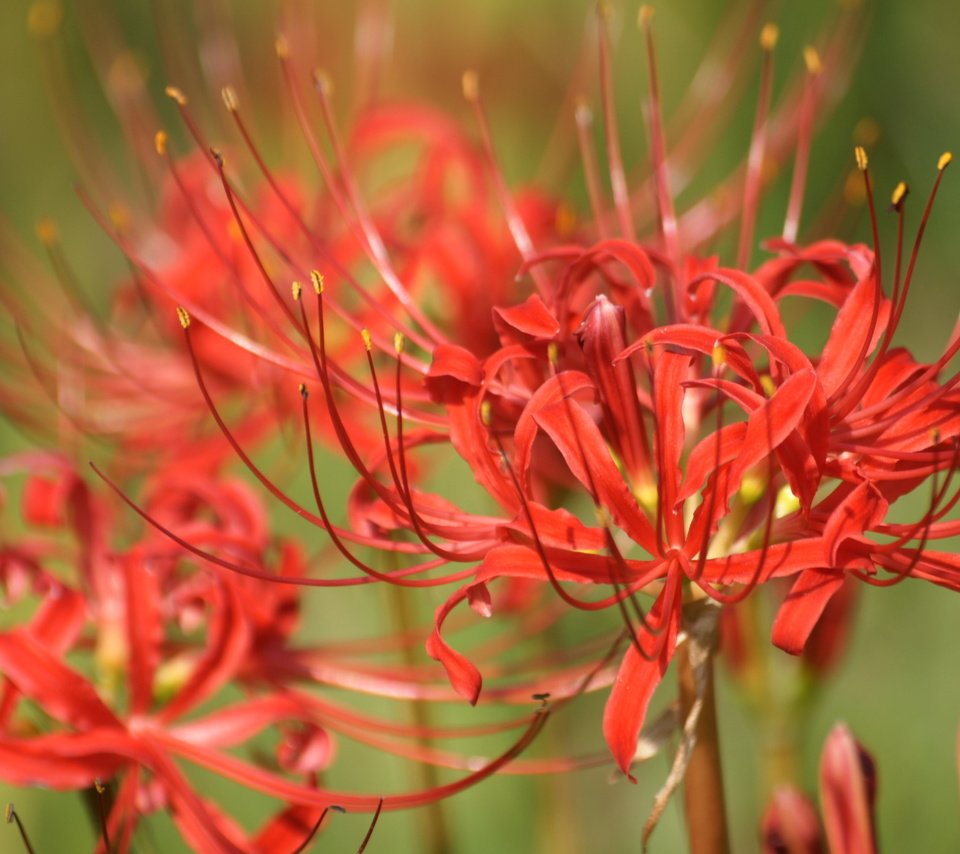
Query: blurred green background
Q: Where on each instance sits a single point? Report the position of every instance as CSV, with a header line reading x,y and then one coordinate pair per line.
x,y
898,689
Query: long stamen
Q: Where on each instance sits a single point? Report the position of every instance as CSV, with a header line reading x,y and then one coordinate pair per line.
x,y
665,211
12,817
618,179
378,251
100,790
863,162
899,195
518,229
584,120
758,146
232,104
373,824
313,830
268,281
801,161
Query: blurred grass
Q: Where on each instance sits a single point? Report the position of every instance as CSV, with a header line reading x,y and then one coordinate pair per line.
x,y
898,688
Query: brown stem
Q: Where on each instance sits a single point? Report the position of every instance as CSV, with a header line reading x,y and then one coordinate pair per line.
x,y
703,781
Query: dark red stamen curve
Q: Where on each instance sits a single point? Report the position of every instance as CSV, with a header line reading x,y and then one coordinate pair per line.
x,y
373,824
314,241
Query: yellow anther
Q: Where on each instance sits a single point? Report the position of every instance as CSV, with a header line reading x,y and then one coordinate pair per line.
x,y
119,216
297,290
565,220
229,95
98,785
367,340
553,353
302,389
718,355
860,155
470,83
282,46
175,94
768,385
317,278
644,16
944,161
44,18
399,342
811,58
768,36
899,194
47,231
183,316
160,142
485,413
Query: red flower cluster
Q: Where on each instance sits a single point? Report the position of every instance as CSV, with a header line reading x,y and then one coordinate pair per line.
x,y
647,436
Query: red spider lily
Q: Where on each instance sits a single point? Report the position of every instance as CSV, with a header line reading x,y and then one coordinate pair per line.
x,y
152,642
588,390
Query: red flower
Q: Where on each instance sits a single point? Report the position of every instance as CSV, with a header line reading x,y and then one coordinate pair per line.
x,y
615,379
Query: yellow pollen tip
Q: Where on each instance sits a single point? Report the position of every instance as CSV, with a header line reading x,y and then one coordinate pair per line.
x,y
399,342
160,142
644,16
769,36
553,353
98,785
367,340
811,58
229,95
119,216
860,154
282,47
899,193
316,277
485,414
718,355
175,94
944,161
768,385
470,83
302,389
44,18
183,316
47,231
296,289
565,220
